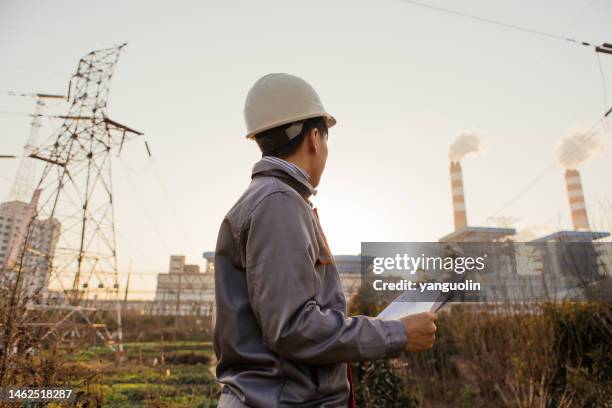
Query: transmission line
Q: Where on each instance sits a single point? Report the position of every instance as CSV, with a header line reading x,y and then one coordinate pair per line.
x,y
499,23
539,177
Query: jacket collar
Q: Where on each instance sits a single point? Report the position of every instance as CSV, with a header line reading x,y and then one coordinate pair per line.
x,y
295,180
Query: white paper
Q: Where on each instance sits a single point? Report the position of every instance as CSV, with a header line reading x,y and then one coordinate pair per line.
x,y
404,305
399,309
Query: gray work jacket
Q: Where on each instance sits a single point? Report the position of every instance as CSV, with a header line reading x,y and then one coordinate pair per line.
x,y
282,337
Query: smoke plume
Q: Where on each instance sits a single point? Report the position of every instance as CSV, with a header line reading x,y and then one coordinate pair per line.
x,y
464,144
579,147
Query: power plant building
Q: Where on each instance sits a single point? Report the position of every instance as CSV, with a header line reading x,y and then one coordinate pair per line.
x,y
516,276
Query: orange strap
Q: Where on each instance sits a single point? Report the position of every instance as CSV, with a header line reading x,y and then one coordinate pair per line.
x,y
351,401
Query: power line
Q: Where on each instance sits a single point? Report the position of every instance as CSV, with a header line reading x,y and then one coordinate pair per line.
x,y
499,23
569,27
177,215
145,209
540,176
604,86
15,113
69,117
184,231
42,115
31,94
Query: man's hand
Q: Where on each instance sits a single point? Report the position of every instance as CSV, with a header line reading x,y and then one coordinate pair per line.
x,y
420,331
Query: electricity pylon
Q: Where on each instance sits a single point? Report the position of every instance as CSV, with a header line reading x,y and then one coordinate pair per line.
x,y
77,191
23,186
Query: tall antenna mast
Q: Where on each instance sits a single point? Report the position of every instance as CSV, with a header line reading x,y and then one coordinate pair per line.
x,y
23,185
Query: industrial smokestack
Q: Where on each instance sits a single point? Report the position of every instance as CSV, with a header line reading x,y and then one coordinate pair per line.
x,y
466,143
571,152
576,200
459,212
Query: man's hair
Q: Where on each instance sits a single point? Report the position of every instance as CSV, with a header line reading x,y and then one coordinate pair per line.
x,y
275,142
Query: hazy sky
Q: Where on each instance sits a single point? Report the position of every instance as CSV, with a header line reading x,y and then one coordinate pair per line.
x,y
403,82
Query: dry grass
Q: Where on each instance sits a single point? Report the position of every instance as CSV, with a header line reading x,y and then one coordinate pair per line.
x,y
553,355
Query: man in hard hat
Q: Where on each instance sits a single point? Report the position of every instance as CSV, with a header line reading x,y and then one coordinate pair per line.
x,y
282,336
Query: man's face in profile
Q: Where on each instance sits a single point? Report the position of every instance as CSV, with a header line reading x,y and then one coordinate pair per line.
x,y
320,156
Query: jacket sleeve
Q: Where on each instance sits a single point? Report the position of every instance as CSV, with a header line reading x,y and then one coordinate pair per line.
x,y
283,283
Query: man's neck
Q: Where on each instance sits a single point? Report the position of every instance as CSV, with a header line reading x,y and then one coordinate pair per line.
x,y
300,162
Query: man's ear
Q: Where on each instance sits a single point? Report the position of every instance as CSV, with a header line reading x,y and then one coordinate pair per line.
x,y
313,140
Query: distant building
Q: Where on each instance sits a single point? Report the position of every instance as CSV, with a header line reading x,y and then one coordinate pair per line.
x,y
573,236
184,290
479,234
349,268
210,262
527,271
39,249
12,215
348,264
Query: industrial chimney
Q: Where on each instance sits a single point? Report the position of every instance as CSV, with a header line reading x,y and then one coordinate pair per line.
x,y
458,196
576,200
465,144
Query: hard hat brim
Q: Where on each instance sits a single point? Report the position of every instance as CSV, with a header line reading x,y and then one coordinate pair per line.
x,y
331,121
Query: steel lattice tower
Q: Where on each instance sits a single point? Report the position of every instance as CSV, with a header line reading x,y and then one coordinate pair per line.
x,y
23,186
77,191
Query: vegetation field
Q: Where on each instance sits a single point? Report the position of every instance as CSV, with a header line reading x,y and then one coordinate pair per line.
x,y
546,355
153,374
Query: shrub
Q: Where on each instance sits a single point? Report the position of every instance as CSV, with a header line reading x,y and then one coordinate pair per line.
x,y
547,355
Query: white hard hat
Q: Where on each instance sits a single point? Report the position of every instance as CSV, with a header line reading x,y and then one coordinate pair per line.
x,y
280,99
